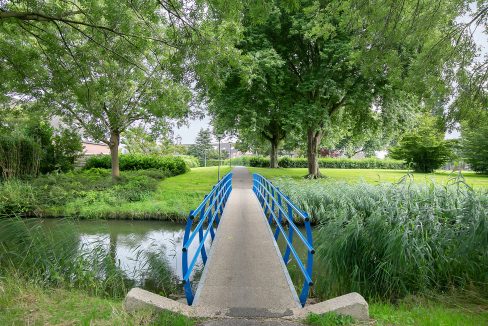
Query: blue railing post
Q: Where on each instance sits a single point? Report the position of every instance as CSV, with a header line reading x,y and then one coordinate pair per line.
x,y
208,211
286,256
280,217
271,199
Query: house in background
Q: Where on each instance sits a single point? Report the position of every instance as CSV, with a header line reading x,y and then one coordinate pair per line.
x,y
92,148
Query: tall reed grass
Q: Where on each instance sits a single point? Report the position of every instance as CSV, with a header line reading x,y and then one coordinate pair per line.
x,y
390,240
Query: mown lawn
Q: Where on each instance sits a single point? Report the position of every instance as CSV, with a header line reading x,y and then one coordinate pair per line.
x,y
145,194
180,194
173,198
375,176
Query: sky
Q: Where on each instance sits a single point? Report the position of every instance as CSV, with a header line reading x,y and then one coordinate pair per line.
x,y
188,133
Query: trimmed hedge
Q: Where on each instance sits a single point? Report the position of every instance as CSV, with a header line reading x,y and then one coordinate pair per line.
x,y
332,163
130,162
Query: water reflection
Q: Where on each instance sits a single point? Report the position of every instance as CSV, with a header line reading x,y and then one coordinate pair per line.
x,y
148,253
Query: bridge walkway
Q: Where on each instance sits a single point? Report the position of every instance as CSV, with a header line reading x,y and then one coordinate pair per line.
x,y
245,275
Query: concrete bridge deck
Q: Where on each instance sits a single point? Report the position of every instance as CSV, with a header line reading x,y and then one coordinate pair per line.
x,y
245,275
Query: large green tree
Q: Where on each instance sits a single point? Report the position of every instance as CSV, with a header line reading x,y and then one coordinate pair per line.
x,y
357,65
255,97
100,65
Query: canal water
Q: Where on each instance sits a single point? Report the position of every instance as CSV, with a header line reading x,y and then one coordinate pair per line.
x,y
137,246
146,251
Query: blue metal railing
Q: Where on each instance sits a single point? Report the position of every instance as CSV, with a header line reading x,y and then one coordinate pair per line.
x,y
210,211
274,202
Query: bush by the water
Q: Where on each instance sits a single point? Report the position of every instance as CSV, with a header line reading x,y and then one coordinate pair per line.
x,y
75,193
332,163
391,240
174,165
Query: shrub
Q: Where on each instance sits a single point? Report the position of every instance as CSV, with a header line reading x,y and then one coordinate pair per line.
x,y
259,162
75,193
331,163
190,161
423,148
475,148
391,240
20,156
16,197
172,164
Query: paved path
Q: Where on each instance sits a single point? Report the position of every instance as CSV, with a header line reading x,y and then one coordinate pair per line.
x,y
245,275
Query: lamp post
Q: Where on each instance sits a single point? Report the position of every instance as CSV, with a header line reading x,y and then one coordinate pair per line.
x,y
219,137
230,155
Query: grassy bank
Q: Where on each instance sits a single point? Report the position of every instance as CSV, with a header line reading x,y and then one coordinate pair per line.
x,y
25,303
145,194
374,176
444,310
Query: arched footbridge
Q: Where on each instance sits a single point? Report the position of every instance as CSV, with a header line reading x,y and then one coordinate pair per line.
x,y
245,273
234,233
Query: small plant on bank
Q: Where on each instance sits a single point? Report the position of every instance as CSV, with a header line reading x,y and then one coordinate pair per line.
x,y
329,319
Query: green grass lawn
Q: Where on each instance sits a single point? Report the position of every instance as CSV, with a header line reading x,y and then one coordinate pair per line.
x,y
178,195
374,176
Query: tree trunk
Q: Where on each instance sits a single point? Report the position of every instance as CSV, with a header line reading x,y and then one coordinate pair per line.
x,y
313,142
114,153
273,155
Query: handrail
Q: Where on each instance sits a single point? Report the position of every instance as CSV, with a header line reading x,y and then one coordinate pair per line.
x,y
273,202
210,210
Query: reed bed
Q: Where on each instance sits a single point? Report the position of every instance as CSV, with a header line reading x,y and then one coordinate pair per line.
x,y
390,240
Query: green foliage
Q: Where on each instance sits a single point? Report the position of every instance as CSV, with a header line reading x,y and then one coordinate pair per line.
x,y
78,191
332,163
391,240
203,149
423,148
353,75
17,198
475,147
67,148
172,165
101,79
29,145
